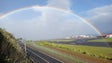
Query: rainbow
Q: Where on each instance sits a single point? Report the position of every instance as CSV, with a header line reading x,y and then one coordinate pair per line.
x,y
59,9
40,7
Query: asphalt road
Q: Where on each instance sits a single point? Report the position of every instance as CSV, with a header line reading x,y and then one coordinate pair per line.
x,y
39,57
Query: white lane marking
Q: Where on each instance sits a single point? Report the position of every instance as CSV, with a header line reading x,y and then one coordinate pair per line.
x,y
32,60
39,56
51,57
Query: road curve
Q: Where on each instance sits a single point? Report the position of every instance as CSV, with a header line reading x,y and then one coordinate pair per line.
x,y
39,57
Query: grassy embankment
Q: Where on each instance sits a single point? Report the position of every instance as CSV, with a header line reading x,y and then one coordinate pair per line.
x,y
101,40
63,40
10,52
54,53
101,52
94,53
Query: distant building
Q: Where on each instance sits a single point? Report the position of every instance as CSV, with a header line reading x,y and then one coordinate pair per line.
x,y
80,37
102,36
109,36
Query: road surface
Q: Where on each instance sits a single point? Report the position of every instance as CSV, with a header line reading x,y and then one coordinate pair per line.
x,y
39,57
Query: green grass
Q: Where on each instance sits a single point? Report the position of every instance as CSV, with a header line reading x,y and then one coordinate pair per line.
x,y
62,40
56,53
101,52
101,40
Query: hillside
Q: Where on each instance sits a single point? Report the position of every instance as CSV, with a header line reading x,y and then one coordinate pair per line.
x,y
10,52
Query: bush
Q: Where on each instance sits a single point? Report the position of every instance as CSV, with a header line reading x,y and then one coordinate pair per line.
x,y
83,52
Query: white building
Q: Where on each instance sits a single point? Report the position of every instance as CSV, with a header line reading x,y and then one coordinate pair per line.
x,y
109,36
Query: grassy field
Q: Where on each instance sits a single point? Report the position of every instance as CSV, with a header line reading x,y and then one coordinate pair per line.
x,y
101,40
63,40
54,53
100,52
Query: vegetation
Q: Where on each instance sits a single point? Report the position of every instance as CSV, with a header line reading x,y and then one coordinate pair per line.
x,y
100,52
57,54
101,40
10,52
63,40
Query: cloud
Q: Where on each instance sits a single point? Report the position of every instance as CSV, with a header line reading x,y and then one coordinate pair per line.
x,y
100,11
101,17
51,24
63,4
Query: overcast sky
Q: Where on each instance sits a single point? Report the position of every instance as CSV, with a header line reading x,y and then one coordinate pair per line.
x,y
39,23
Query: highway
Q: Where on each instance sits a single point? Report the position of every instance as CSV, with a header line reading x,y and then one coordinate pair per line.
x,y
39,57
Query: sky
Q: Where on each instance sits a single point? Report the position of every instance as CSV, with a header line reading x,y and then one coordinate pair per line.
x,y
51,19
